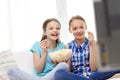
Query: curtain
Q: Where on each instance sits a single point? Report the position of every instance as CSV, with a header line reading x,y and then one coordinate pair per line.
x,y
21,20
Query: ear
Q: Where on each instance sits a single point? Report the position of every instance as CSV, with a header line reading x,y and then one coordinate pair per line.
x,y
44,33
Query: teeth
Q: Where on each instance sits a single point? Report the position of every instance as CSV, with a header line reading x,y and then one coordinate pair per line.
x,y
79,33
54,34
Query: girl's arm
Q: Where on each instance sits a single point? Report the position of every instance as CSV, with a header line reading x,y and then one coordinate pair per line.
x,y
69,63
39,62
93,56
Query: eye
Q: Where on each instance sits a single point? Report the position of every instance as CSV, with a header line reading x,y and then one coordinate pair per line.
x,y
51,28
81,27
74,28
58,28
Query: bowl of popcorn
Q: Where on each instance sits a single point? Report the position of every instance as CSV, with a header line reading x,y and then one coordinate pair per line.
x,y
61,55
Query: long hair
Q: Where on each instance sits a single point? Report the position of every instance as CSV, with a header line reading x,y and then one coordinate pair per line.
x,y
45,26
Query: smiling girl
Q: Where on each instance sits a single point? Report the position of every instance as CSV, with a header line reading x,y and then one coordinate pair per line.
x,y
44,68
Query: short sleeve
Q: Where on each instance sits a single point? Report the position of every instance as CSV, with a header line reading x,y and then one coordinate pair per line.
x,y
36,47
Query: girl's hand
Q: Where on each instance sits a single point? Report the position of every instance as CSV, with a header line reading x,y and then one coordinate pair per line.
x,y
44,45
54,62
90,38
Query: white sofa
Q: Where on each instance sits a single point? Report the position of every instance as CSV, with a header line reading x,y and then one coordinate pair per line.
x,y
24,60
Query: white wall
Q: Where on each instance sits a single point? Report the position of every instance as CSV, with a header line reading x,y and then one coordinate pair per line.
x,y
5,41
85,9
71,8
21,20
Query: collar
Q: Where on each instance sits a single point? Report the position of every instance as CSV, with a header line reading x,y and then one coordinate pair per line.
x,y
83,45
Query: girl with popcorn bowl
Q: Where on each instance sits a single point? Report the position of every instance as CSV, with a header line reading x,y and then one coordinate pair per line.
x,y
49,47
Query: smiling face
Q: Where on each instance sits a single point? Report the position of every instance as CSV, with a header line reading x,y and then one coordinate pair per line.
x,y
52,30
78,28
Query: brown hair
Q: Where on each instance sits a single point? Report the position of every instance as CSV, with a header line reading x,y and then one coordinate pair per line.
x,y
76,17
45,26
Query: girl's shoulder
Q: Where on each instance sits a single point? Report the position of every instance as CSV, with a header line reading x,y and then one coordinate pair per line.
x,y
71,43
36,47
37,43
60,45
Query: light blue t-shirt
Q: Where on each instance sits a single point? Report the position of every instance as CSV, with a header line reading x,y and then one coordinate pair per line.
x,y
48,65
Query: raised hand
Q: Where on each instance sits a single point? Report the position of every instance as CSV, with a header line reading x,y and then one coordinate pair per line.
x,y
44,45
90,37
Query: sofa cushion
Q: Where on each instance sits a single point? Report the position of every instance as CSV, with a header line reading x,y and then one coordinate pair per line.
x,y
7,60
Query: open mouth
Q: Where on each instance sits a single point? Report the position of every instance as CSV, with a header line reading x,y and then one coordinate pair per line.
x,y
79,34
54,34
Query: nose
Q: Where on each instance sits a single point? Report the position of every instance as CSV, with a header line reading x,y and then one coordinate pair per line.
x,y
54,30
79,30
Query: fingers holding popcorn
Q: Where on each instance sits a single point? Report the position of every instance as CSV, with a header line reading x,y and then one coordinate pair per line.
x,y
54,62
44,45
90,37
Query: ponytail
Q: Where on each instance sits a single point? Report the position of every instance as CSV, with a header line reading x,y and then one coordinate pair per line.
x,y
43,37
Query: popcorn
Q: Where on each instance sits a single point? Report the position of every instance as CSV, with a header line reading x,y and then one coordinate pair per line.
x,y
61,55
